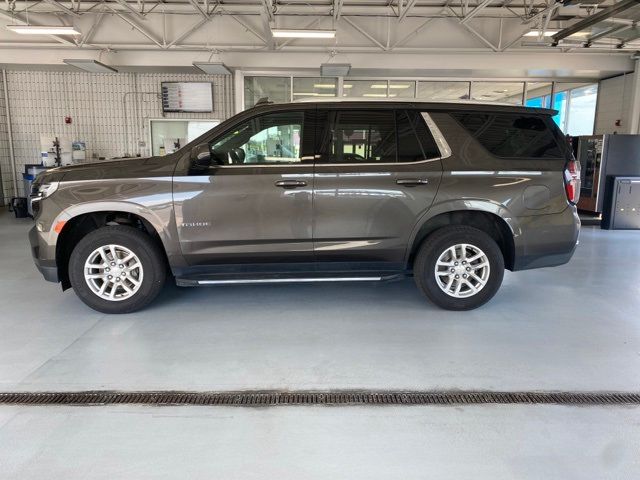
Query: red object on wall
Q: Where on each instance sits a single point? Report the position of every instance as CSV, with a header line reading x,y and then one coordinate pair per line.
x,y
67,120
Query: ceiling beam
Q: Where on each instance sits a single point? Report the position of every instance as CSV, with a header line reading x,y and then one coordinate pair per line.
x,y
365,33
405,10
594,19
66,10
481,6
337,9
137,27
188,32
199,9
125,4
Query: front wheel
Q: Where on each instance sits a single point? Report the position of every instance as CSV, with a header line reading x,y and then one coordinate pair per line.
x,y
117,269
459,267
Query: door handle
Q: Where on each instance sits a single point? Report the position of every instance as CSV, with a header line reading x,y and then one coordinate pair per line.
x,y
291,183
412,182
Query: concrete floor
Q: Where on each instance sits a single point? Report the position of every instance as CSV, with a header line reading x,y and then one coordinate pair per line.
x,y
574,327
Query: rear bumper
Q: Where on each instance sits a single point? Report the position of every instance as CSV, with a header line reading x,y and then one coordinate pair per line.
x,y
546,240
40,252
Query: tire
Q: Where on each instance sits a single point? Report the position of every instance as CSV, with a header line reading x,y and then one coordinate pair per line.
x,y
441,245
139,280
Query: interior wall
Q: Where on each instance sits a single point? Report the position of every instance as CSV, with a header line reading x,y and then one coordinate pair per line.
x,y
5,167
110,112
614,104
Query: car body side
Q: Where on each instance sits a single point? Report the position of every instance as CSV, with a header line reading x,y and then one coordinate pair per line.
x,y
523,202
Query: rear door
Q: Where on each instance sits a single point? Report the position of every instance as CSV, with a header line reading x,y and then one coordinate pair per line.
x,y
377,172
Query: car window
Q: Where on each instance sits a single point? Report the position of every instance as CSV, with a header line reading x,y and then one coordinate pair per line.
x,y
415,141
366,136
268,139
511,135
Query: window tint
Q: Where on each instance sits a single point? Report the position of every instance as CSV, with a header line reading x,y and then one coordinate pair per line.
x,y
511,135
370,136
358,137
268,139
415,141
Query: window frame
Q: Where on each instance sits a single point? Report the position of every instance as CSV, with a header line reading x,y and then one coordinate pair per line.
x,y
437,137
218,136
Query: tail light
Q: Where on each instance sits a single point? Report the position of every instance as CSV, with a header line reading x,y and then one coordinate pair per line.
x,y
572,181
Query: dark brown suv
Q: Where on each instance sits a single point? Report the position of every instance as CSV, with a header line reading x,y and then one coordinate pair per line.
x,y
319,191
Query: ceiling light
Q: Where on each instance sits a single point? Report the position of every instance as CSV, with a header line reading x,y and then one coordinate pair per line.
x,y
380,85
347,85
212,68
324,85
375,95
42,30
305,94
335,69
536,33
399,85
88,65
286,33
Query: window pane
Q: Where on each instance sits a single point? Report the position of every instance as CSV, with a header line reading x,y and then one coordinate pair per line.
x,y
359,137
276,89
269,139
539,94
508,92
443,91
402,89
582,110
365,88
511,135
576,105
415,141
314,87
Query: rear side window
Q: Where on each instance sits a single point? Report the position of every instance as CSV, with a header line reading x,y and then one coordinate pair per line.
x,y
374,136
415,142
511,135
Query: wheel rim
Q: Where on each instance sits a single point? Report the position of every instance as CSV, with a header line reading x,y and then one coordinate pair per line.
x,y
113,272
462,270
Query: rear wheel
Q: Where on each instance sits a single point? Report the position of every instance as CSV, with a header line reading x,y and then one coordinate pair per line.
x,y
117,269
459,267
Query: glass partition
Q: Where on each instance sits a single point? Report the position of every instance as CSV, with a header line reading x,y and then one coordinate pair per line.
x,y
576,105
314,87
539,94
277,89
402,89
444,91
507,92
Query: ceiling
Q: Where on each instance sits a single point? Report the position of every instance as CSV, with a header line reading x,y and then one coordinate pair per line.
x,y
240,29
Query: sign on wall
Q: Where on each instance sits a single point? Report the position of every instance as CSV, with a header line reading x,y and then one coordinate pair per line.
x,y
192,97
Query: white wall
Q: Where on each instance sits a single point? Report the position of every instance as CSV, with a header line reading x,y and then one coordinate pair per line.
x,y
110,112
614,103
5,167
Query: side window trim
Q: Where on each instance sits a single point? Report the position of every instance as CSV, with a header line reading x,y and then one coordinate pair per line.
x,y
438,137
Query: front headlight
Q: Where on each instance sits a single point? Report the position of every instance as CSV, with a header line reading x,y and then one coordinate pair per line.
x,y
43,190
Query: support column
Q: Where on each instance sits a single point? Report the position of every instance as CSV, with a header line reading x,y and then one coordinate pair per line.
x,y
634,110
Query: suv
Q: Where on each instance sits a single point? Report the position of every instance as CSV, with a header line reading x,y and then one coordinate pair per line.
x,y
450,193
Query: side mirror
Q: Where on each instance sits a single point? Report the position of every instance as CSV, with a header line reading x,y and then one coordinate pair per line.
x,y
201,156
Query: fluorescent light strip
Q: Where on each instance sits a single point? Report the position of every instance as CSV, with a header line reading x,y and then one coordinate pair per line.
x,y
324,85
536,33
285,33
42,30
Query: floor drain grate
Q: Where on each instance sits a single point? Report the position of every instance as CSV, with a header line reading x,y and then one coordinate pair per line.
x,y
276,398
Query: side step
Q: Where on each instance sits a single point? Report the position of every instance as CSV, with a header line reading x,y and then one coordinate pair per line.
x,y
248,279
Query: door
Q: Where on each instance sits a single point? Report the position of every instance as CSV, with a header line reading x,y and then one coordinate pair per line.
x,y
377,173
246,195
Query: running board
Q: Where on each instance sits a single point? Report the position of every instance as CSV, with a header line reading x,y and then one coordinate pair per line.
x,y
202,280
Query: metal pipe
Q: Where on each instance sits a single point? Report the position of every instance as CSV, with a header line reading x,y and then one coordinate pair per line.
x,y
12,156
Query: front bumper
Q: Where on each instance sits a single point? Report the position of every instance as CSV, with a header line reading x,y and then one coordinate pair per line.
x,y
41,252
547,240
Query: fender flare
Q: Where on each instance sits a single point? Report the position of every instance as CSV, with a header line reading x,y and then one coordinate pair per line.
x,y
465,205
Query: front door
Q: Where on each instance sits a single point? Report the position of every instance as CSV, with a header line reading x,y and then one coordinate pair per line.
x,y
377,173
246,196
